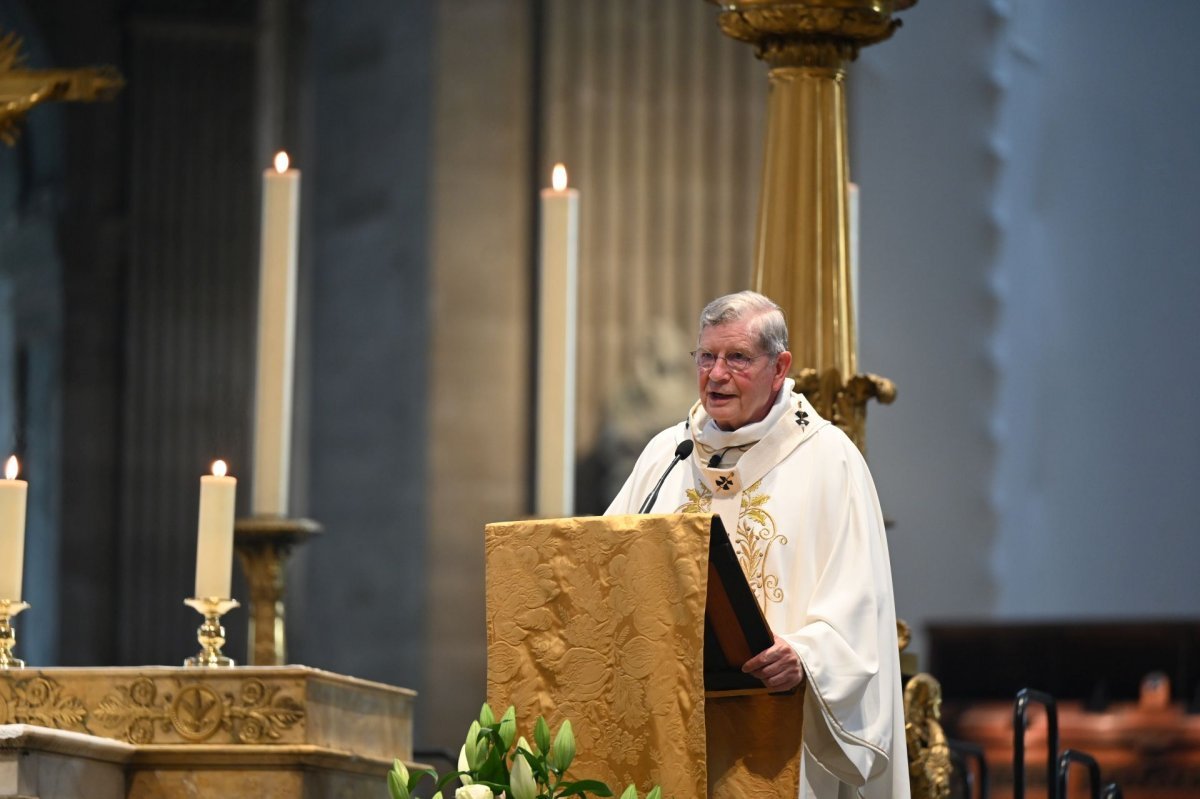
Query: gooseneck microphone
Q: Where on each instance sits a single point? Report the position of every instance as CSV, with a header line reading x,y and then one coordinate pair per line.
x,y
682,451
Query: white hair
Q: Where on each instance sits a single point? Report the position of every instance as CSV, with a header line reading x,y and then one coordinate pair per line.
x,y
765,318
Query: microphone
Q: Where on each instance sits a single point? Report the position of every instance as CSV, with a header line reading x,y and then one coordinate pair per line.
x,y
682,451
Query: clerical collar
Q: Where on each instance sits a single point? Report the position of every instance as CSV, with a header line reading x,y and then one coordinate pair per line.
x,y
731,444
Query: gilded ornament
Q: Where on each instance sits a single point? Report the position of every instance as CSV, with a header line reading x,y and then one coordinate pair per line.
x,y
903,634
42,702
197,713
845,404
263,714
22,89
767,24
138,712
928,752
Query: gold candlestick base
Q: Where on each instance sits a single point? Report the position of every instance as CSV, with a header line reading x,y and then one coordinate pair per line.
x,y
263,544
211,634
8,635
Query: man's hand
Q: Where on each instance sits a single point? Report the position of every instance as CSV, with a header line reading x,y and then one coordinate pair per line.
x,y
779,667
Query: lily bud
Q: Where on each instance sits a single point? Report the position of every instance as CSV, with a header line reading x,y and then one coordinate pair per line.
x,y
464,765
520,779
541,735
397,789
630,792
656,793
563,751
523,744
508,727
474,756
401,769
486,719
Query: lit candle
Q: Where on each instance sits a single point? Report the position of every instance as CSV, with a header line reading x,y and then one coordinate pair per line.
x,y
276,339
12,531
558,268
214,537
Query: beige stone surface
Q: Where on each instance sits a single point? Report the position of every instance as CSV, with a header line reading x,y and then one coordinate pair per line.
x,y
177,733
57,764
245,706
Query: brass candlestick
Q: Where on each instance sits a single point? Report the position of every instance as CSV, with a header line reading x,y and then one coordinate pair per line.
x,y
211,634
8,635
263,544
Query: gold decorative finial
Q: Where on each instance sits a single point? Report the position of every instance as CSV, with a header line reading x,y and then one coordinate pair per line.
x,y
928,751
21,89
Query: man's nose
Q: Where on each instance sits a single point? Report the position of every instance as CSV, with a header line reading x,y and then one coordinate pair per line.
x,y
719,370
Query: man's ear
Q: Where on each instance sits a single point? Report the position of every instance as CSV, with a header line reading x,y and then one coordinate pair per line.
x,y
783,365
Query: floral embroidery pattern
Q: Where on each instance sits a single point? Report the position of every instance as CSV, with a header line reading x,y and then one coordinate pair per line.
x,y
756,533
699,501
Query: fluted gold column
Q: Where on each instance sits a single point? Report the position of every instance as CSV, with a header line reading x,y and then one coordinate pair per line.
x,y
803,238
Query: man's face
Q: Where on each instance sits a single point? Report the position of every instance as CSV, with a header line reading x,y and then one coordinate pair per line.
x,y
734,398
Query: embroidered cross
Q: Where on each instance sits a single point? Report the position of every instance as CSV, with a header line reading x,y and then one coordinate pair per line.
x,y
724,483
802,418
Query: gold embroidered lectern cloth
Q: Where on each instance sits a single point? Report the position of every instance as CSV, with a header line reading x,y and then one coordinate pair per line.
x,y
600,620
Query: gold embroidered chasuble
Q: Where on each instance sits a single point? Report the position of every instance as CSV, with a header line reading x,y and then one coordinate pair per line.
x,y
803,516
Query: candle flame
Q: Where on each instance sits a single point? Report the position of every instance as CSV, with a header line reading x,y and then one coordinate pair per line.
x,y
281,162
10,468
219,468
558,178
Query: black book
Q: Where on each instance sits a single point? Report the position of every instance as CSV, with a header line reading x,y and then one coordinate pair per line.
x,y
735,629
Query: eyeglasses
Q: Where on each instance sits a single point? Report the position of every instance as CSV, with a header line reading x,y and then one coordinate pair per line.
x,y
734,361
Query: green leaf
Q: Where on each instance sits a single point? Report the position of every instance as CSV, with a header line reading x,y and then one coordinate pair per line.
x,y
541,735
581,787
448,778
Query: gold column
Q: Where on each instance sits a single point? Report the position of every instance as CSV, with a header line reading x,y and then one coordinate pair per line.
x,y
803,244
803,240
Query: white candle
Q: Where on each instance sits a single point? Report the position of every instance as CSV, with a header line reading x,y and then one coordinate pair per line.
x,y
853,225
276,339
558,268
12,531
214,536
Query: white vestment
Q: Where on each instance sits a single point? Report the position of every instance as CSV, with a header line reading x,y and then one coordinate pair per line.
x,y
804,518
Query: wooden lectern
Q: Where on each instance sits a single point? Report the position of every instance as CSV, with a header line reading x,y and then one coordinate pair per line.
x,y
602,620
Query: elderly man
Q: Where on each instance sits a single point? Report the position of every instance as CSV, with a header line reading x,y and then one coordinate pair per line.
x,y
799,504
